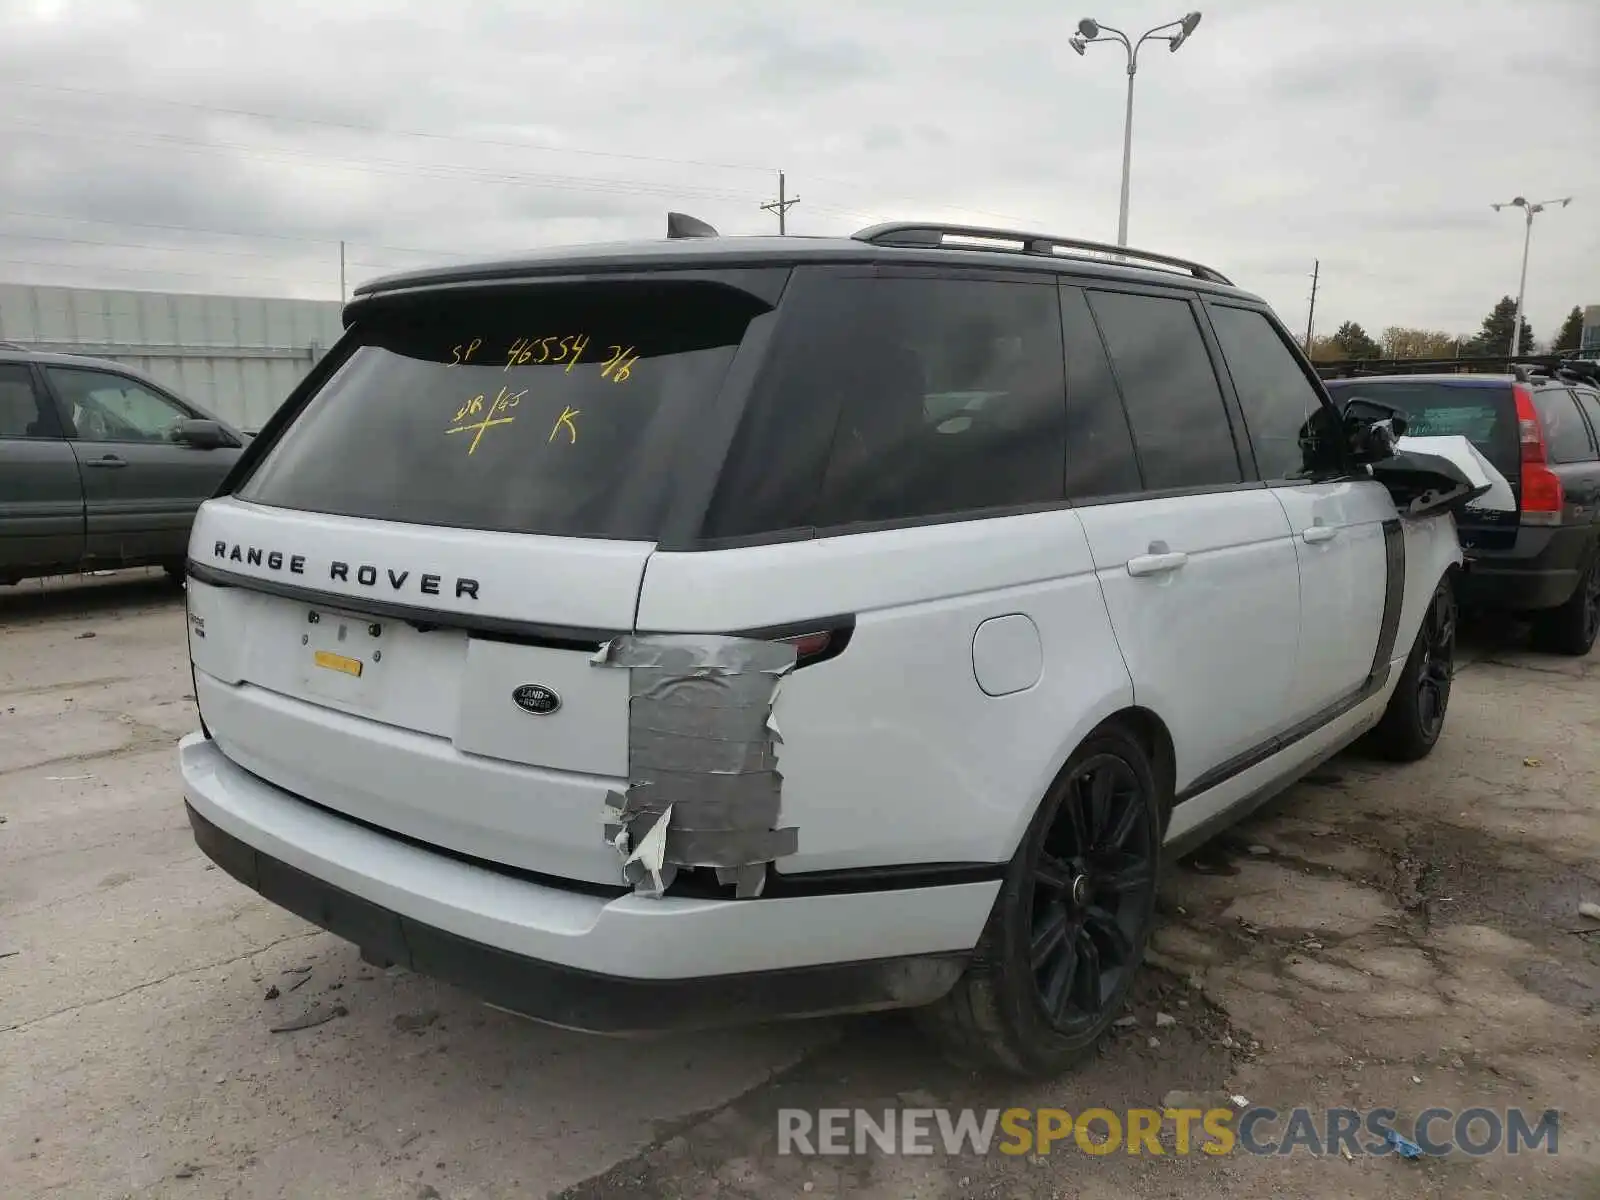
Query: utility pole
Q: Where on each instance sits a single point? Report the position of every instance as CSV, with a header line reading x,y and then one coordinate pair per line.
x,y
1311,316
781,206
341,272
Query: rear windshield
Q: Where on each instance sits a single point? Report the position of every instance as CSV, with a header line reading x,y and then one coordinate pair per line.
x,y
554,409
1484,415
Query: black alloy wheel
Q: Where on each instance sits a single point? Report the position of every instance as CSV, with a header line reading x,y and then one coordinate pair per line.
x,y
1438,663
1414,719
1060,953
1088,890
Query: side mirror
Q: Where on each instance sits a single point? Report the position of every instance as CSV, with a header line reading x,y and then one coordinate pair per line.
x,y
202,435
1372,429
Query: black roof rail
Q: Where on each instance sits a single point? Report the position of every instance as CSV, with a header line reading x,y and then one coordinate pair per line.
x,y
1534,365
933,234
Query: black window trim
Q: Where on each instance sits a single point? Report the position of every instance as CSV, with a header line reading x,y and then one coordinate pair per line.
x,y
1230,405
64,413
45,403
1348,472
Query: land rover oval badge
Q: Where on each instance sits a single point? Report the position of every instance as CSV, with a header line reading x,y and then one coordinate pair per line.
x,y
537,699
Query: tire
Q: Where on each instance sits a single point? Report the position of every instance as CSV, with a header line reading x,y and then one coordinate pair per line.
x,y
1571,628
1412,723
1062,947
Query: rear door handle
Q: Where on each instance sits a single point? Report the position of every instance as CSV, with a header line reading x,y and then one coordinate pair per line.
x,y
1320,533
1156,564
108,461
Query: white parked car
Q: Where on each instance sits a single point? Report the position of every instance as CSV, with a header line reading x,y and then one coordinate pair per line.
x,y
720,629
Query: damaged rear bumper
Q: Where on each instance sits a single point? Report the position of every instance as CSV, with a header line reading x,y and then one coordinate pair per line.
x,y
604,964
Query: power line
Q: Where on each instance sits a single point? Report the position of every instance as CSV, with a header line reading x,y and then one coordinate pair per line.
x,y
379,129
45,237
465,172
36,262
1009,218
623,187
465,139
285,237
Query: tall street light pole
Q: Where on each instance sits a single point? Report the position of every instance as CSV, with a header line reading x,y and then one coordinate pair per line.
x,y
1527,238
1174,33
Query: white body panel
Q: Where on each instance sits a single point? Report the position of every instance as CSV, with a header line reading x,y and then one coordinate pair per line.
x,y
1432,548
1338,539
1210,643
1279,768
982,653
426,741
893,753
629,936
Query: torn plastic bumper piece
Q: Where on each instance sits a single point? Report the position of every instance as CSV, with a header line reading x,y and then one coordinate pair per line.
x,y
704,789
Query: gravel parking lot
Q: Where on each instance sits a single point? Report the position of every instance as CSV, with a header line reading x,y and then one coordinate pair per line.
x,y
1381,937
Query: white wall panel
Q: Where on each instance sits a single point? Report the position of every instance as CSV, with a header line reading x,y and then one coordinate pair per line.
x,y
237,356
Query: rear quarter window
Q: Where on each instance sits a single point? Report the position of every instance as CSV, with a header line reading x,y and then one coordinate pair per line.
x,y
554,409
1564,429
900,398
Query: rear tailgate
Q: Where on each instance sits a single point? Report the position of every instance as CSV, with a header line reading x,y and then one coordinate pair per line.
x,y
395,618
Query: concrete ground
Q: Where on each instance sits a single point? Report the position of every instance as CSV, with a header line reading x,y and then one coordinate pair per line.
x,y
1382,937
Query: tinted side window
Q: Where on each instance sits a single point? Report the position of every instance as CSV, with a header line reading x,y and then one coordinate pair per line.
x,y
1564,430
1100,458
20,414
1283,412
773,474
952,399
1180,427
1590,403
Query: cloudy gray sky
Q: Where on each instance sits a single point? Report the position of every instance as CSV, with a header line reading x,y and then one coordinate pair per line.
x,y
198,145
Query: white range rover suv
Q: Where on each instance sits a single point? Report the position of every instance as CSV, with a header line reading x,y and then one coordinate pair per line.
x,y
663,635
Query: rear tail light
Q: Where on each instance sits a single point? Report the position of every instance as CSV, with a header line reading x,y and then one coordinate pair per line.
x,y
1542,493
